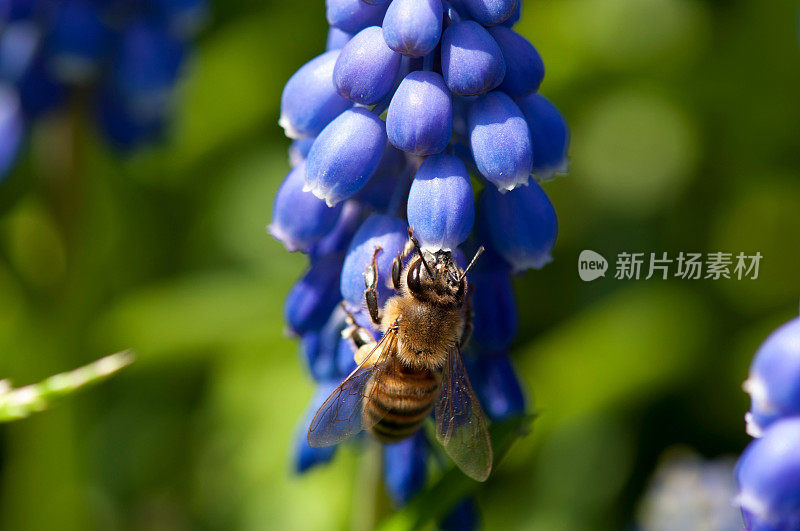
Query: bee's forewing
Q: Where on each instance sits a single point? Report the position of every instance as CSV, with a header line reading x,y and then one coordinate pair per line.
x,y
340,417
460,424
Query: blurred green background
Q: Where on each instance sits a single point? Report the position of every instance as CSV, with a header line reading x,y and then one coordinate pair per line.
x,y
685,122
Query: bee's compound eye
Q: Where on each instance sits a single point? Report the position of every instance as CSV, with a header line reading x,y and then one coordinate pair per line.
x,y
414,280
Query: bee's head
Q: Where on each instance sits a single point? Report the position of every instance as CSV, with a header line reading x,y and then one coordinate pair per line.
x,y
436,278
442,282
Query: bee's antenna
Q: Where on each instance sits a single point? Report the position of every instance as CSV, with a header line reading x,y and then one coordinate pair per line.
x,y
472,262
419,251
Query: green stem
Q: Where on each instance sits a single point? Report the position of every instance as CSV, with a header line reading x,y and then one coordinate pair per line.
x,y
20,403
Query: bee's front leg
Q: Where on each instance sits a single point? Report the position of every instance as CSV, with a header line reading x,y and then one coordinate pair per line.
x,y
371,283
397,264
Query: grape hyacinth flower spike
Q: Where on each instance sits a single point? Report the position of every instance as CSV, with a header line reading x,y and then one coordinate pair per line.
x,y
416,108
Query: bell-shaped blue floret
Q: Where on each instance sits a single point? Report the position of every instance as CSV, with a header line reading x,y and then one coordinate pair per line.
x,y
312,299
337,39
472,62
441,208
390,179
319,347
521,225
549,135
387,232
353,15
366,68
500,140
299,232
495,320
774,379
514,18
768,474
306,457
298,150
342,232
413,27
497,386
345,155
524,65
420,116
491,12
310,101
405,467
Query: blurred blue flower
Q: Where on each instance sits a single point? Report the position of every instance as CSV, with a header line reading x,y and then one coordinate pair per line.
x,y
126,55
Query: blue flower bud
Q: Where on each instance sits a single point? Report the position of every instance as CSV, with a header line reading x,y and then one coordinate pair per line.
x,y
774,380
521,225
472,62
11,128
405,467
366,68
337,39
345,155
298,150
345,352
389,180
342,232
413,27
500,140
320,348
491,12
514,18
353,15
76,42
524,65
463,517
312,299
497,386
309,101
387,232
549,135
420,116
768,474
495,318
299,232
147,67
306,457
441,208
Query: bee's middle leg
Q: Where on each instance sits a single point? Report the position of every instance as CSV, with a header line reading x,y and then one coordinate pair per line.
x,y
371,291
361,337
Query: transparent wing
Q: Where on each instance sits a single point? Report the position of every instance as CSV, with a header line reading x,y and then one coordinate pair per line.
x,y
460,424
340,417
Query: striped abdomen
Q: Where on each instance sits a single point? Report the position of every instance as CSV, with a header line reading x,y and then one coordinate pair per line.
x,y
403,397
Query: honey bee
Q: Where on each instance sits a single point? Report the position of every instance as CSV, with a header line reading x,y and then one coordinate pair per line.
x,y
416,366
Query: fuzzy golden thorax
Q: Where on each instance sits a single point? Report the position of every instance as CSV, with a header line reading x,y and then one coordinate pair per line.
x,y
428,311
